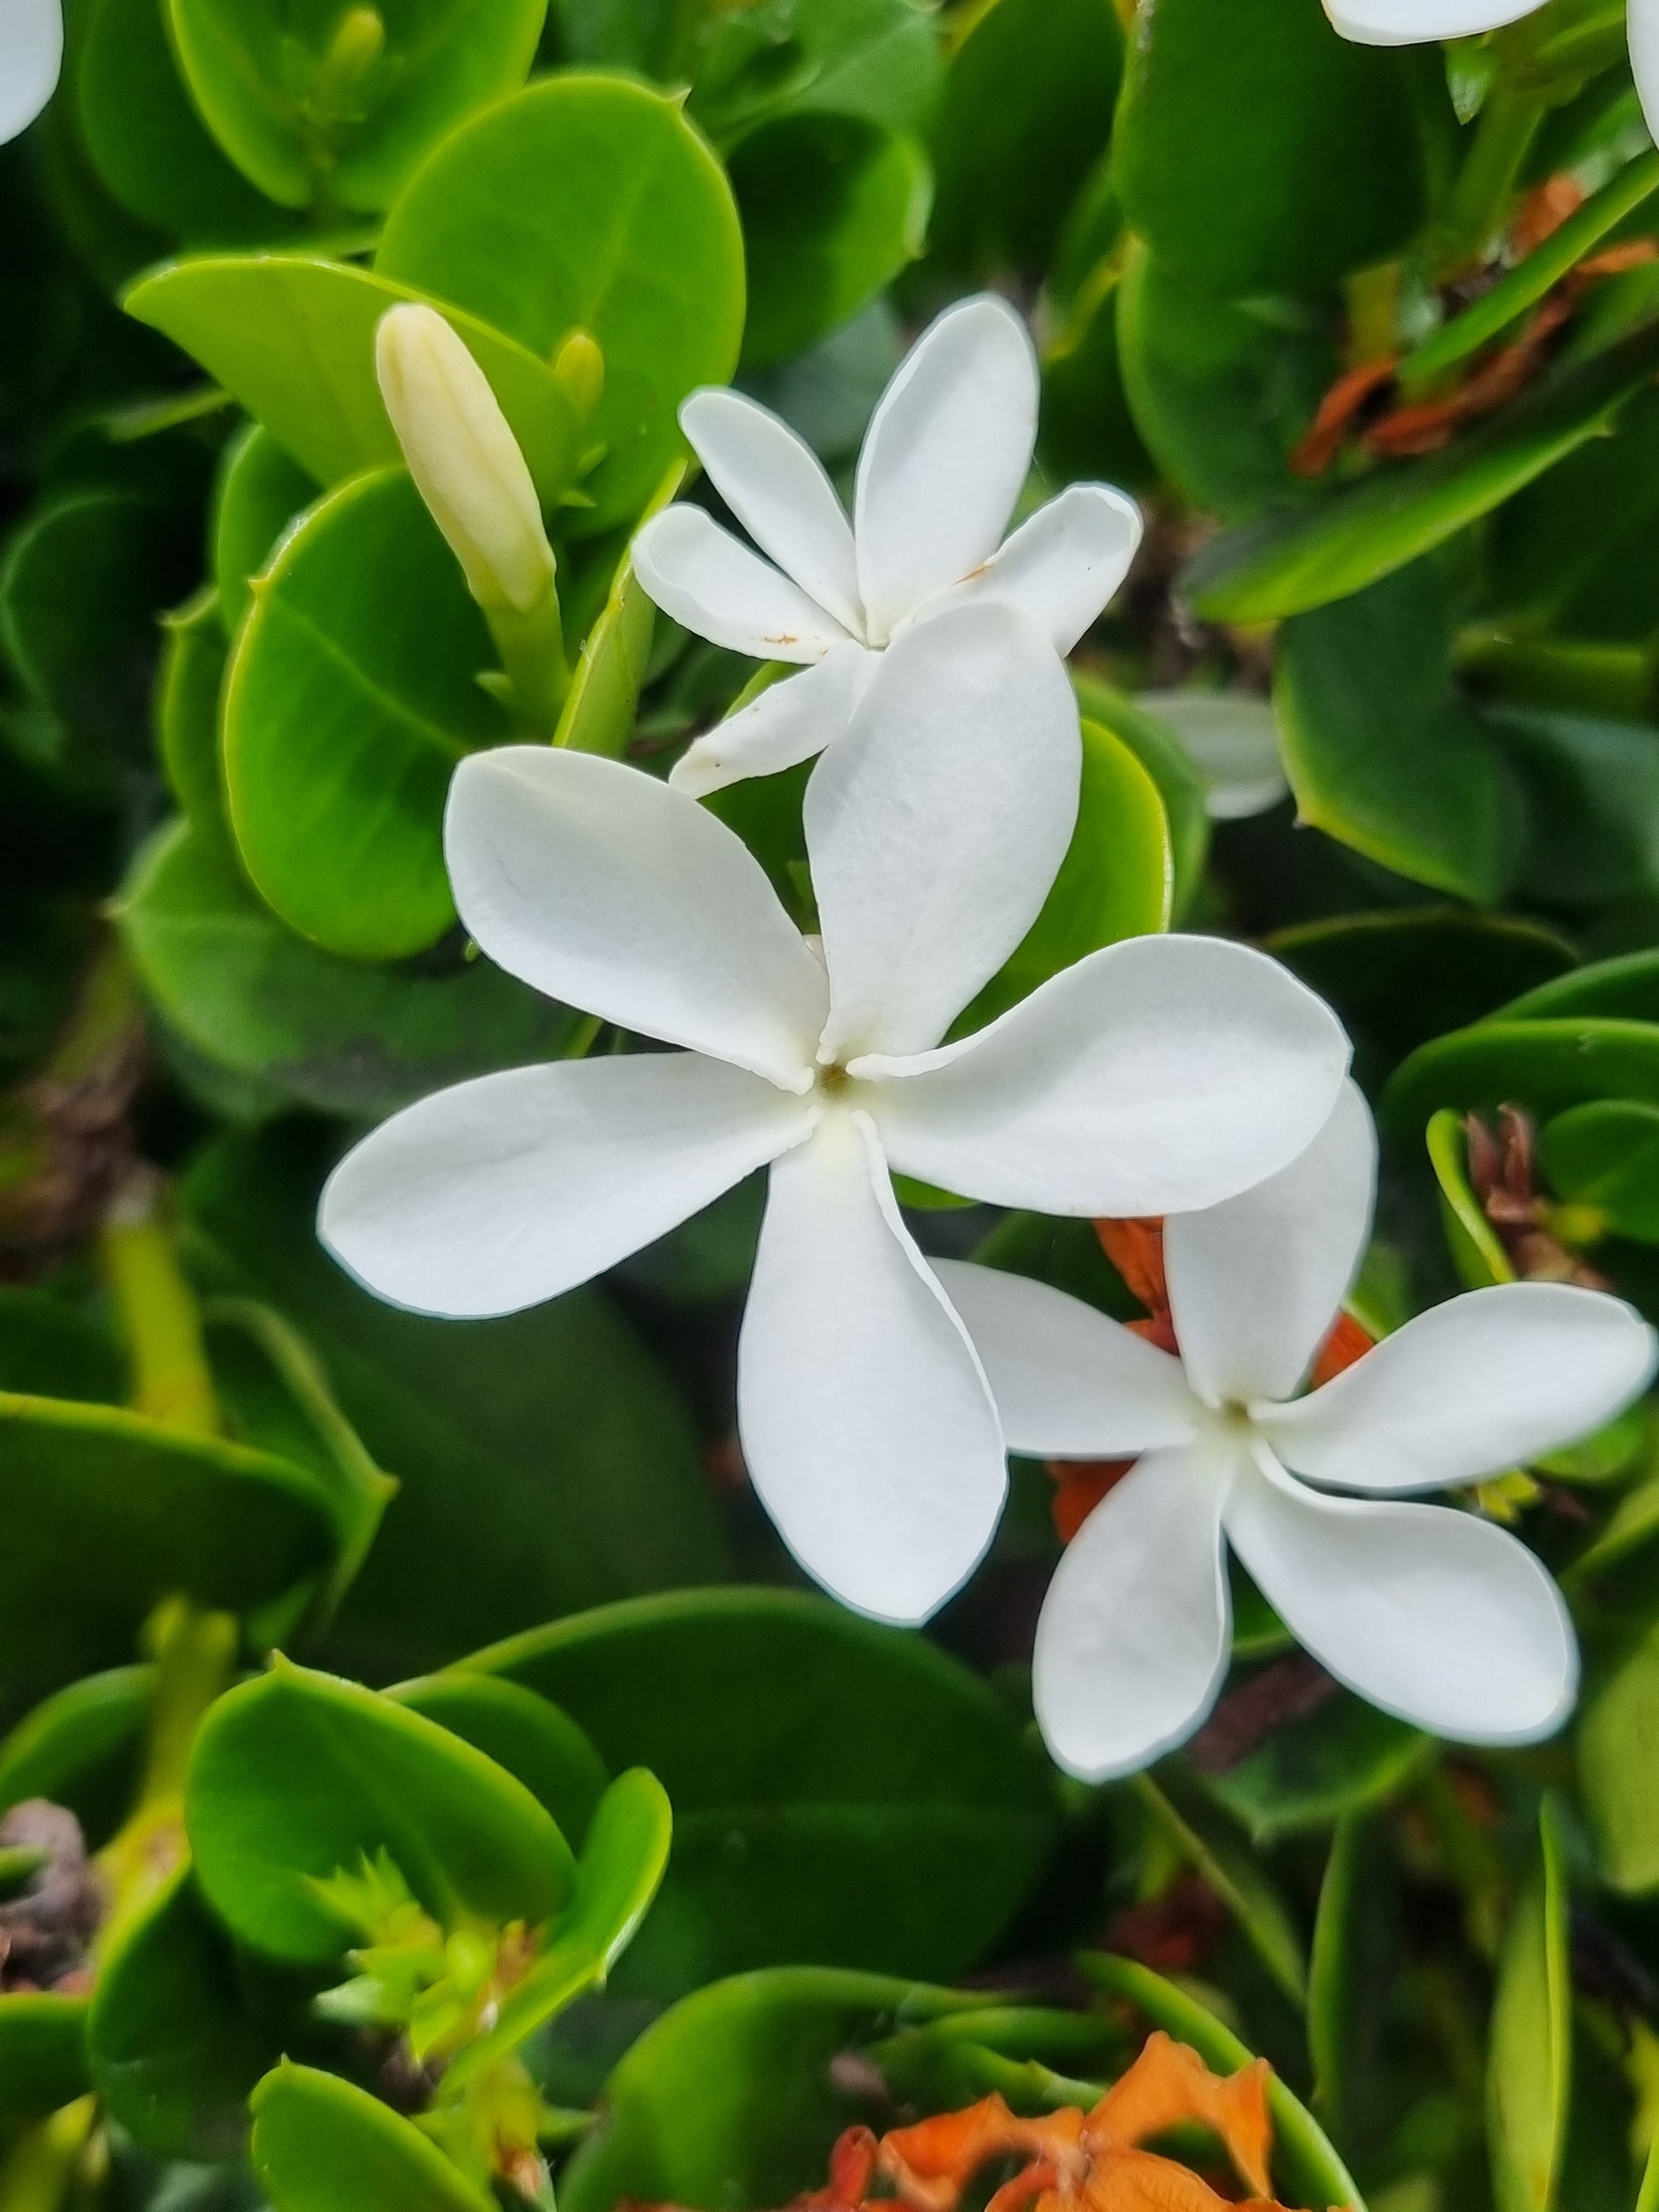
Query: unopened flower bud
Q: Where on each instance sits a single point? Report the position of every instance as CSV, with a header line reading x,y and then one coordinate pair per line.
x,y
579,366
463,457
358,42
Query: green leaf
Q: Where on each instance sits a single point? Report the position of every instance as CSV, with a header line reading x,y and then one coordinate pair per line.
x,y
1590,788
1305,2162
228,1527
1382,751
1221,390
297,1775
43,2053
1236,1875
1025,113
291,335
1262,151
1179,784
1116,880
334,1034
1355,1944
893,1821
1543,1066
879,59
1625,986
733,2097
833,207
517,218
261,487
174,2046
1303,557
340,106
1308,1772
621,1866
1618,1768
599,708
351,697
559,1416
147,143
530,1738
323,2145
52,1349
82,1747
187,687
1605,1155
1529,2057
1477,1249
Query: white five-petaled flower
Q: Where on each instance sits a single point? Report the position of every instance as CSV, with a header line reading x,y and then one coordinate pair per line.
x,y
1420,23
1435,1614
31,56
1161,1072
944,457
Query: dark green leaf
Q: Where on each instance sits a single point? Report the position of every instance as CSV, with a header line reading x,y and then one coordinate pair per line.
x,y
1605,1155
1311,1772
1543,1066
187,688
82,1747
1528,2067
43,2053
50,1349
1590,789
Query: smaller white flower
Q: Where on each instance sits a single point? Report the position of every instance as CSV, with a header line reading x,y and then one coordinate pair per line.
x,y
943,461
1232,738
1433,1614
31,57
1160,1073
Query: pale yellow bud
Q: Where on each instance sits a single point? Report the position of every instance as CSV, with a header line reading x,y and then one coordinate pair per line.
x,y
463,457
578,365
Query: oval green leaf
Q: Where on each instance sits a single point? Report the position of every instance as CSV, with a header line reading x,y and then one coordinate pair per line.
x,y
1606,1155
43,2053
1543,1066
261,487
323,2145
530,1738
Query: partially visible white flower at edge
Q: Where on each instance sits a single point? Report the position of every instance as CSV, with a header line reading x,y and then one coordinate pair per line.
x,y
1422,22
1433,1614
1232,738
943,461
31,56
1159,1073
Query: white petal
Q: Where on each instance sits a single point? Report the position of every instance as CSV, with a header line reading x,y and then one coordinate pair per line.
x,y
1132,1643
788,722
775,485
1486,1381
1232,738
944,459
716,587
1419,22
1642,26
31,56
866,1424
1256,1282
937,825
1069,1383
1162,1073
600,886
1433,1614
1061,567
503,1192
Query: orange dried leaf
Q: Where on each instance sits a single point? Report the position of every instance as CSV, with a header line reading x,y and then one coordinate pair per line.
x,y
1169,2084
1135,1248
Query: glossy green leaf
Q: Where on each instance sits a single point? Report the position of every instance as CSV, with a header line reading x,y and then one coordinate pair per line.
x,y
1179,784
1529,2058
1570,550
1306,1773
351,697
50,1348
1590,791
879,59
323,2145
321,104
260,490
1382,751
1258,151
1025,113
1626,986
145,140
1605,1155
188,683
1015,2049
599,708
338,1034
1543,1066
1221,390
82,1747
1618,1773
891,1817
530,1738
296,1775
1305,2160
621,1866
43,2053
1237,1876
833,207
1477,1249
516,217
229,1527
291,335
560,1417
733,2096
173,2045
1117,879
1305,557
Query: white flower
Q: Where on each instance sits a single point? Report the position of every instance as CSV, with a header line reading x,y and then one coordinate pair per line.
x,y
1420,23
943,461
1433,1614
31,56
1232,738
1158,1074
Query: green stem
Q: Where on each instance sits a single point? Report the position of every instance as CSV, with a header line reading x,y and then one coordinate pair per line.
x,y
157,1312
532,646
1485,184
